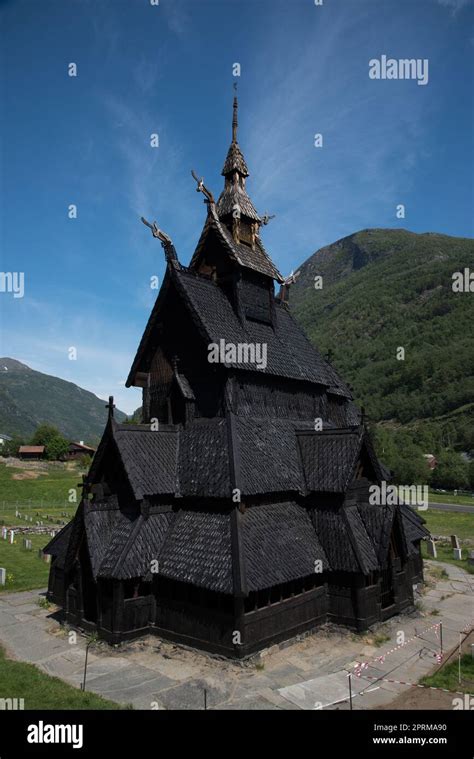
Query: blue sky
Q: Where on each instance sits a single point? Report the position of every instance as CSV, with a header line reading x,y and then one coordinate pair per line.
x,y
167,69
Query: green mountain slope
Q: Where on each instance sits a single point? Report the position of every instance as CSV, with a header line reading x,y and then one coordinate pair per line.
x,y
384,289
29,398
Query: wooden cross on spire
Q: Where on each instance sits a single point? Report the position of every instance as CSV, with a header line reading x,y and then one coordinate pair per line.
x,y
110,406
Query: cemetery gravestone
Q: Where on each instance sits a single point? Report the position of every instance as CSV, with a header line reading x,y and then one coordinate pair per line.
x,y
432,549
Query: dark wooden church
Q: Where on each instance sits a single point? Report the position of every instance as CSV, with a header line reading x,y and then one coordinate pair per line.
x,y
237,514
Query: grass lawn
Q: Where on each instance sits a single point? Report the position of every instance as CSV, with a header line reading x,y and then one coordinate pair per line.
x,y
39,491
445,553
449,523
42,489
25,570
41,691
52,483
465,500
447,676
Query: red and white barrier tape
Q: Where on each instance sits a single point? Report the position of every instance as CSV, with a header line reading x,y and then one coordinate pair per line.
x,y
380,659
414,685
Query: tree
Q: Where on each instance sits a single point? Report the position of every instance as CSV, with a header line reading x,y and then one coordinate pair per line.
x,y
402,455
44,433
56,445
470,474
85,461
451,471
57,448
409,466
10,447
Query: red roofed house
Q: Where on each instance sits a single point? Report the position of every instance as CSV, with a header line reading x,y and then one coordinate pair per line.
x,y
76,450
31,451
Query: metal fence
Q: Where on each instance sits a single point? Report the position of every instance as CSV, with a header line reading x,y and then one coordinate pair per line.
x,y
41,504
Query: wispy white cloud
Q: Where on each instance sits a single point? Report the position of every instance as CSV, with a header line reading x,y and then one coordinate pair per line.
x,y
372,160
454,5
177,18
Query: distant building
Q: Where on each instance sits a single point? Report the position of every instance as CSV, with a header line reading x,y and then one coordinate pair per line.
x,y
31,451
76,450
430,460
4,439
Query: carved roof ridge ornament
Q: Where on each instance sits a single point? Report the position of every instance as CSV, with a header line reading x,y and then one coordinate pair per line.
x,y
285,285
291,278
266,218
166,241
201,187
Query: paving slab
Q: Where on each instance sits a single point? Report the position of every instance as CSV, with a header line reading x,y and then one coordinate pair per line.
x,y
320,692
254,703
190,695
126,678
64,666
6,618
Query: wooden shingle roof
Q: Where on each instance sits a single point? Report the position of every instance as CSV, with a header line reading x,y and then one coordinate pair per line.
x,y
149,457
197,550
280,544
329,458
256,259
280,541
274,455
235,161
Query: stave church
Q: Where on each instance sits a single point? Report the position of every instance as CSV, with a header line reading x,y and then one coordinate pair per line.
x,y
237,513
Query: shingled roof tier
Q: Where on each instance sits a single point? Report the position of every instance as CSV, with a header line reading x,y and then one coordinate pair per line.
x,y
275,455
235,161
256,258
281,542
290,355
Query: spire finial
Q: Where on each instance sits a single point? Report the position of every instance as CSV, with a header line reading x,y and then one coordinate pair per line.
x,y
234,117
110,406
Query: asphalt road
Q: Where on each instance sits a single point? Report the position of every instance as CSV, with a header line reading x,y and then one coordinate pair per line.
x,y
451,507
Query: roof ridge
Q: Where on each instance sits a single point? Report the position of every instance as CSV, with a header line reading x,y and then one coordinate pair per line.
x,y
352,510
136,527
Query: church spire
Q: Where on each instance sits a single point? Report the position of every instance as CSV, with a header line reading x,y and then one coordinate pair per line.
x,y
234,201
235,123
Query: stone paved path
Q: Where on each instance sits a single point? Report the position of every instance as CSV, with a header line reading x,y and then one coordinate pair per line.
x,y
155,674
